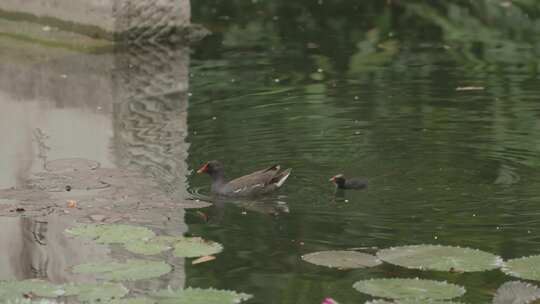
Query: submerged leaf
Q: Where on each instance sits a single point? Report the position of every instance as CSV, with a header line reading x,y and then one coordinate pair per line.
x,y
151,246
96,292
516,293
200,296
131,270
411,289
196,247
341,259
525,268
112,233
442,258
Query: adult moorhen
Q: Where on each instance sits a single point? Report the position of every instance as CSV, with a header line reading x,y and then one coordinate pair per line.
x,y
343,183
256,183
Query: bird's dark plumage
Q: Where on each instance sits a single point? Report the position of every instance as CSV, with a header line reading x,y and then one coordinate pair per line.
x,y
256,183
348,183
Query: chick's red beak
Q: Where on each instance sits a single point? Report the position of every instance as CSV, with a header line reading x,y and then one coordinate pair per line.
x,y
203,169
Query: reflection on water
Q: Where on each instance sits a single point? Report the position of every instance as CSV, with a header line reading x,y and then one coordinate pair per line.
x,y
125,109
39,249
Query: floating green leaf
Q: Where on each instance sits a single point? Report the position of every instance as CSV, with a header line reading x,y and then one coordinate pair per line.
x,y
409,289
196,247
112,233
96,292
200,296
131,270
151,246
516,293
442,258
13,290
342,259
527,268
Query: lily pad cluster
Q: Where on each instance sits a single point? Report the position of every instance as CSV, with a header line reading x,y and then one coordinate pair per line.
x,y
141,240
113,293
433,258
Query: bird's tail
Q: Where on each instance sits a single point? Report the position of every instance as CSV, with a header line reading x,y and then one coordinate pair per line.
x,y
282,177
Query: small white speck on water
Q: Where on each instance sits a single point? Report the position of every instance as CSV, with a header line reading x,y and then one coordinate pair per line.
x,y
194,132
474,215
63,76
498,228
436,237
99,108
233,80
320,70
528,231
357,133
276,80
346,201
189,94
214,118
355,97
244,212
275,18
46,28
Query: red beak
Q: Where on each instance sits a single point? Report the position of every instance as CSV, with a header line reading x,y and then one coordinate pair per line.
x,y
203,169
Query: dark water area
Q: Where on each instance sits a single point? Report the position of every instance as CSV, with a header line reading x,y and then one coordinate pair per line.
x,y
436,104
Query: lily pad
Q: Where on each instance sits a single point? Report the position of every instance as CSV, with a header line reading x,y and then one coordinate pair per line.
x,y
442,258
71,164
411,289
14,290
516,293
96,292
200,296
131,270
112,233
527,268
342,259
196,247
151,246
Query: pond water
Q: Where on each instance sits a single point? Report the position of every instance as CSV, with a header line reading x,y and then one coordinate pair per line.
x,y
435,104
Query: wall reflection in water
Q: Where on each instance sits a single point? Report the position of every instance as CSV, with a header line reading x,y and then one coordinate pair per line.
x,y
125,109
39,249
